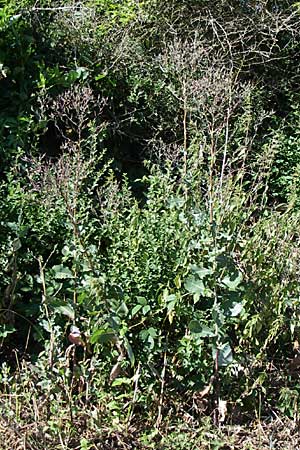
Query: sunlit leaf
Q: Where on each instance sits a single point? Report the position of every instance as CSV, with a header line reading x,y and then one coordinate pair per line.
x,y
102,336
194,286
65,310
201,272
62,273
232,284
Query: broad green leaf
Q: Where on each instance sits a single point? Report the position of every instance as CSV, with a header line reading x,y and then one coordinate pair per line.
x,y
202,272
146,309
194,286
171,298
123,309
136,309
141,300
201,330
152,332
195,326
65,310
232,284
224,355
62,273
102,336
236,309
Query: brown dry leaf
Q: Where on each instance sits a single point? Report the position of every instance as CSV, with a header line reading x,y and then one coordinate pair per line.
x,y
115,371
296,346
205,391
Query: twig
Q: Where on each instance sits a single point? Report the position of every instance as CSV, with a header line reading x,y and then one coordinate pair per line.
x,y
136,383
162,389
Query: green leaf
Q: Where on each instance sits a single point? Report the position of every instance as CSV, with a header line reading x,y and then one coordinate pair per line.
x,y
236,309
102,336
146,309
141,300
176,202
232,284
62,273
136,310
17,244
195,326
100,76
73,75
224,355
194,286
65,310
201,330
152,332
201,272
129,351
5,330
120,381
123,310
218,316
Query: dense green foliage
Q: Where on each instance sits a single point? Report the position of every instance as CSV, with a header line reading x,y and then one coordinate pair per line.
x,y
149,196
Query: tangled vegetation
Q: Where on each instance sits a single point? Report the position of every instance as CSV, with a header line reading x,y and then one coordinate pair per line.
x,y
149,224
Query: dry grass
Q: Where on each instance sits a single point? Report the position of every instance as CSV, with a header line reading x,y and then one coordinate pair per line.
x,y
279,434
